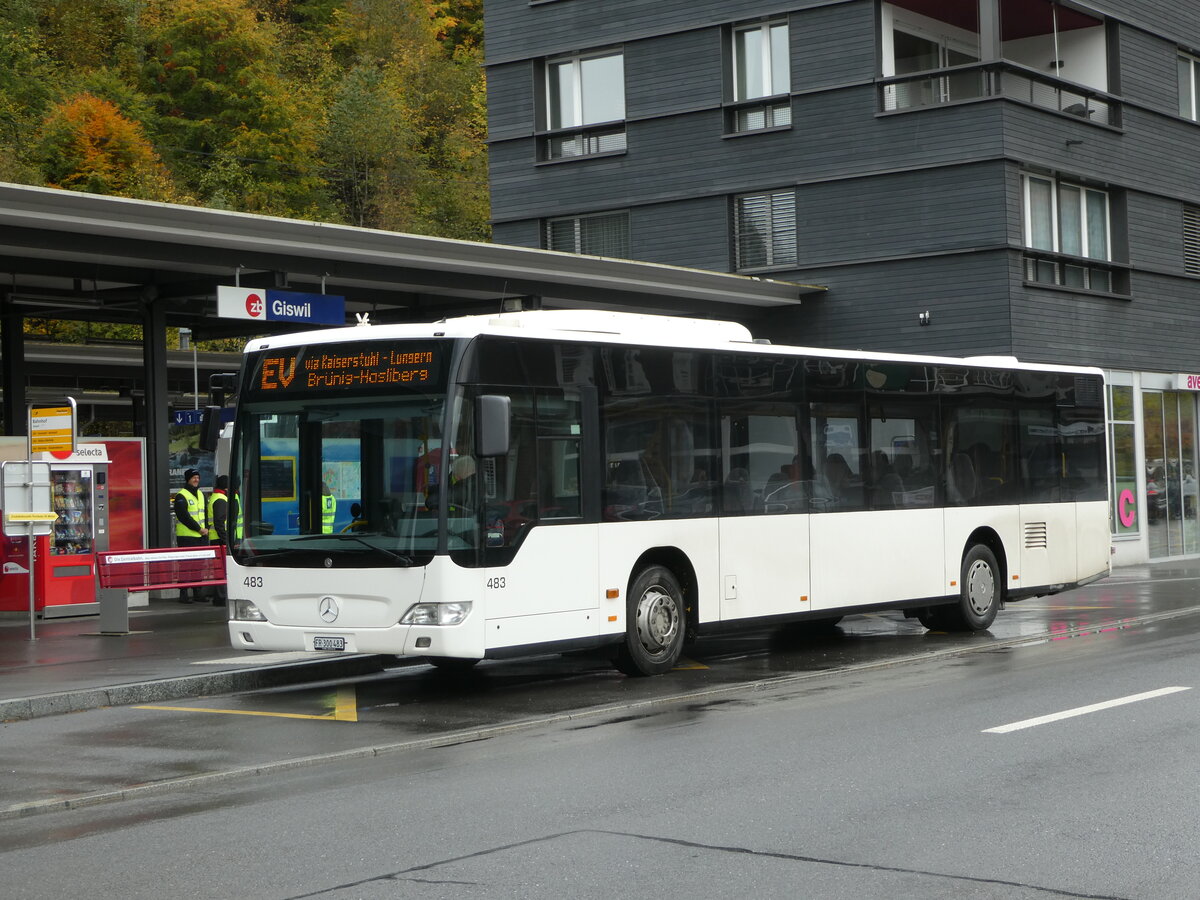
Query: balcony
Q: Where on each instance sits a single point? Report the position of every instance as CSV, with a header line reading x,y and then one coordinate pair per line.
x,y
998,79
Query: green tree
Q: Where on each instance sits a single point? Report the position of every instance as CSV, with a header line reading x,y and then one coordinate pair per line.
x,y
434,182
365,140
212,73
28,88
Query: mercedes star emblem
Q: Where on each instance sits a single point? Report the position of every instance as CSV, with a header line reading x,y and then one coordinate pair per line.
x,y
328,609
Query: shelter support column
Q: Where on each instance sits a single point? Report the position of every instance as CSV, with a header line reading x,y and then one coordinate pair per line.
x,y
12,368
158,448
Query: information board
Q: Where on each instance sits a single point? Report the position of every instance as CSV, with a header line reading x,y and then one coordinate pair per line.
x,y
52,428
27,509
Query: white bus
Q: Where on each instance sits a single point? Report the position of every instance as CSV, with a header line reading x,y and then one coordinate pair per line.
x,y
493,486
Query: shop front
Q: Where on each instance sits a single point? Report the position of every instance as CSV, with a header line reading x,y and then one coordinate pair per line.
x,y
1155,492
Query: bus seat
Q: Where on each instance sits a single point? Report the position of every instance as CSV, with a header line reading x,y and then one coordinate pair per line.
x,y
961,482
735,493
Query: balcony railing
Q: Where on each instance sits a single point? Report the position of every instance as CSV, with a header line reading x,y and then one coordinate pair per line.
x,y
999,79
1074,272
578,142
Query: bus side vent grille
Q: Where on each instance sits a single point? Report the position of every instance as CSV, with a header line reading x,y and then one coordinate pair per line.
x,y
1035,535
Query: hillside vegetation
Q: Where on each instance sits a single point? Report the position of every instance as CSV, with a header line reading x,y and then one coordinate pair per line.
x,y
363,112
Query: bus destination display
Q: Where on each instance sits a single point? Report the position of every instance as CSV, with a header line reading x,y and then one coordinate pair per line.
x,y
321,369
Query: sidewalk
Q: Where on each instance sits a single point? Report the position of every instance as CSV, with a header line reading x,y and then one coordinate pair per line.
x,y
172,651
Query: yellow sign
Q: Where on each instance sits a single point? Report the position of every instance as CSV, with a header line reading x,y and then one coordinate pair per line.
x,y
32,516
51,428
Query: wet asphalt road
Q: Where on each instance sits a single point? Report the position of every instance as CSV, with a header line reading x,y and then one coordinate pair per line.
x,y
103,754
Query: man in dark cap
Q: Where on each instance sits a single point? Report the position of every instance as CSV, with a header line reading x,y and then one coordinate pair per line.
x,y
191,529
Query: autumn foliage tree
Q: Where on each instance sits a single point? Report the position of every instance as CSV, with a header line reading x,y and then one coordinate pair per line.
x,y
87,145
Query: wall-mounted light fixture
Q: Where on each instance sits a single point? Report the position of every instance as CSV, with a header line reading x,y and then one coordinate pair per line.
x,y
924,317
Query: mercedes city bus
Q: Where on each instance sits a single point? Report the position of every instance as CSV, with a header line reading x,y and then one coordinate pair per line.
x,y
563,479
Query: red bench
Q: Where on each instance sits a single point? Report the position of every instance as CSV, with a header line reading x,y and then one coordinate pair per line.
x,y
120,571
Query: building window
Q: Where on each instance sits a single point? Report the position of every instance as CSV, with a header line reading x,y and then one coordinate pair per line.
x,y
765,230
604,234
761,70
1066,220
585,105
1189,87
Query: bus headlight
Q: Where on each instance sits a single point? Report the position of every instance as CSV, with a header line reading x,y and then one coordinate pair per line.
x,y
245,611
436,614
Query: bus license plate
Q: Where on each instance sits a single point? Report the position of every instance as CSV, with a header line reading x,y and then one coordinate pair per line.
x,y
329,643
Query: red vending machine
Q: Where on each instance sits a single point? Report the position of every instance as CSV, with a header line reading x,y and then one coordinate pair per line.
x,y
65,570
99,493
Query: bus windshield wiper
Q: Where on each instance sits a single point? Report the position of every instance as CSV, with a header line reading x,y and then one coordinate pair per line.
x,y
400,557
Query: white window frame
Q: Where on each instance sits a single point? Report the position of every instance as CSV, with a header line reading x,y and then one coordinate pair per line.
x,y
767,55
1056,186
1190,109
577,87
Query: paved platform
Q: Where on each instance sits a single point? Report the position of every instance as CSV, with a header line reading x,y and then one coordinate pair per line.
x,y
175,650
172,650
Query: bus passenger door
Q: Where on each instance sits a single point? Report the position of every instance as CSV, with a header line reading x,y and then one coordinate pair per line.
x,y
540,550
766,493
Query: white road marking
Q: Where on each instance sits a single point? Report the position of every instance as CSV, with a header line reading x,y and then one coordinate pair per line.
x,y
1083,710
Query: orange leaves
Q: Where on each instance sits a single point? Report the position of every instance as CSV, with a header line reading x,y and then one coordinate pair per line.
x,y
88,145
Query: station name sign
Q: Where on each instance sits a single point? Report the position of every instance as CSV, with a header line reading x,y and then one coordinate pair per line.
x,y
335,367
271,305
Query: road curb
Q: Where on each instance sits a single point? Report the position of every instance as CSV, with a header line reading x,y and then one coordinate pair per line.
x,y
199,685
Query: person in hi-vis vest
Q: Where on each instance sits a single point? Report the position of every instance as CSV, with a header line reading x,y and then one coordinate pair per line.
x,y
328,509
191,523
218,525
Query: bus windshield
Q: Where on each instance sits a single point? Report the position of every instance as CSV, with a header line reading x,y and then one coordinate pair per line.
x,y
326,477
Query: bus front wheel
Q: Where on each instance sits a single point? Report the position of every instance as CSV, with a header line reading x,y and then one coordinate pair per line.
x,y
654,624
981,591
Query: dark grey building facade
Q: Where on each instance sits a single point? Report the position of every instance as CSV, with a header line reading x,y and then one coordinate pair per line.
x,y
1014,177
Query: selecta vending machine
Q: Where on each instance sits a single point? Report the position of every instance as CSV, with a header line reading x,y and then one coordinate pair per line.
x,y
64,565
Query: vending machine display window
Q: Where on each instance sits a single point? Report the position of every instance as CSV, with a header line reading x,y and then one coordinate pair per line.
x,y
73,502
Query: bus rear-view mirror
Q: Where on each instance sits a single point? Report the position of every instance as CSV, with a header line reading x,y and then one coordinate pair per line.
x,y
493,413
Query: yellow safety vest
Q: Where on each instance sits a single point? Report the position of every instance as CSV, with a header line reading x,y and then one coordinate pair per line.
x,y
237,517
195,503
328,508
212,519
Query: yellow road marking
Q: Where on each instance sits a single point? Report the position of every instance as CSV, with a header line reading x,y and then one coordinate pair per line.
x,y
237,712
345,709
685,663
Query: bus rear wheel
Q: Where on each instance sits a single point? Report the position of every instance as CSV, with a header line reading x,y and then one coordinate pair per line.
x,y
981,591
655,622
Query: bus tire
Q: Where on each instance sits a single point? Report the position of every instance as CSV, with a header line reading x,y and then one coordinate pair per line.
x,y
655,624
981,591
452,663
